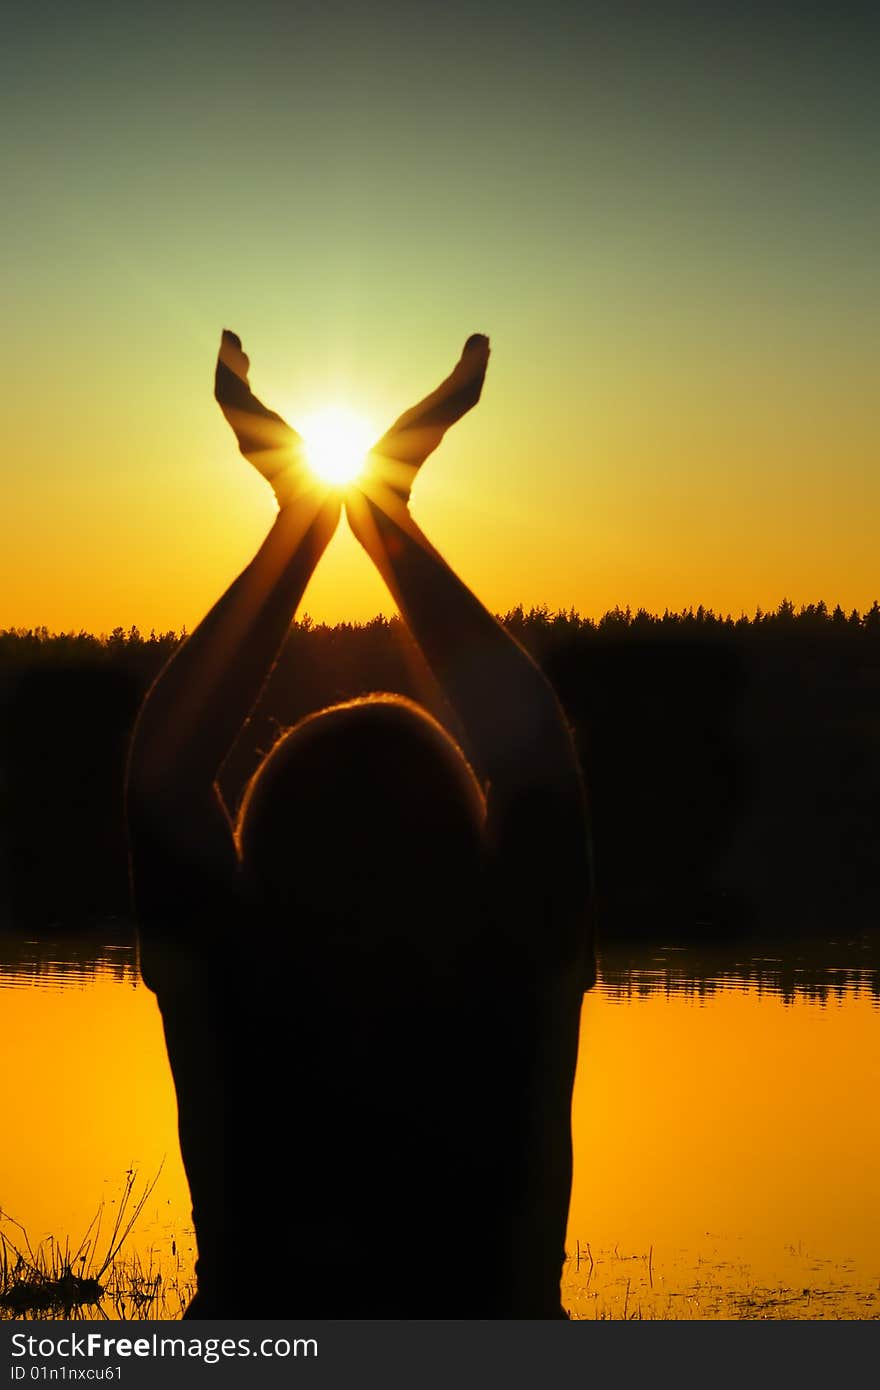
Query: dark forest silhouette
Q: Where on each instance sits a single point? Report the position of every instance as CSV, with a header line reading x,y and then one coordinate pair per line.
x,y
733,764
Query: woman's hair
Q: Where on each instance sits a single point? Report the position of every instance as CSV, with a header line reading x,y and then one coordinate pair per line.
x,y
365,819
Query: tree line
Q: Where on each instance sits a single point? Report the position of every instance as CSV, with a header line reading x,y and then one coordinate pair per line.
x,y
732,764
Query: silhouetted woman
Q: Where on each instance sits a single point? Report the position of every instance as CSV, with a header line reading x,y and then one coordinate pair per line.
x,y
370,980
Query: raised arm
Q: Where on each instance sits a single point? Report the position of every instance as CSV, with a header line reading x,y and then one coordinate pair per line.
x,y
197,706
515,731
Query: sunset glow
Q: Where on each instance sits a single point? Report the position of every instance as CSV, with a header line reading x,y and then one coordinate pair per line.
x,y
337,441
680,404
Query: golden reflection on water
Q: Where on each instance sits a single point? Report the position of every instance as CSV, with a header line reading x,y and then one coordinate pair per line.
x,y
89,1097
726,1142
735,1133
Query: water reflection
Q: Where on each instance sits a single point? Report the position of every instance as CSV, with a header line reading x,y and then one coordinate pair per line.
x,y
58,963
86,1100
726,1129
824,971
724,1122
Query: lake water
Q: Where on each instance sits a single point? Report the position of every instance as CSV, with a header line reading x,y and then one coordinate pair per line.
x,y
727,1132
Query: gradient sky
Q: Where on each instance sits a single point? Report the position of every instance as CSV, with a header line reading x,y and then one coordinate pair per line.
x,y
665,216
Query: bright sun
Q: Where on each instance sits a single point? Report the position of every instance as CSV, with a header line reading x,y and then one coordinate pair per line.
x,y
337,442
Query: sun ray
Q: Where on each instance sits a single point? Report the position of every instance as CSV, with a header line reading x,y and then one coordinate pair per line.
x,y
337,443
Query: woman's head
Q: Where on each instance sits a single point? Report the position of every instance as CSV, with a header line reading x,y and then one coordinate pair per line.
x,y
366,816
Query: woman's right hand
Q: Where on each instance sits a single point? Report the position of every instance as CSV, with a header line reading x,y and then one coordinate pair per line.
x,y
397,457
265,440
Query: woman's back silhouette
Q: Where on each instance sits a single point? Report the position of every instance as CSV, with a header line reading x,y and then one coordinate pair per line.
x,y
370,981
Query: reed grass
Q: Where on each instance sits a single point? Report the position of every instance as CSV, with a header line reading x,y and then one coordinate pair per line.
x,y
95,1278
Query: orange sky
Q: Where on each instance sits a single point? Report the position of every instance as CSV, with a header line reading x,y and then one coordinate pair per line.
x,y
668,233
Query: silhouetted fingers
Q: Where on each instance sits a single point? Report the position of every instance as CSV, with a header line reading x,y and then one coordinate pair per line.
x,y
478,350
233,355
231,389
465,384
